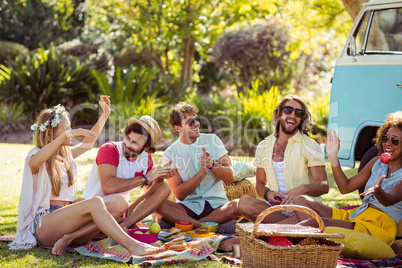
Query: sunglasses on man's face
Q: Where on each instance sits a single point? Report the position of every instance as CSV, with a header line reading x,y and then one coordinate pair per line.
x,y
191,121
394,140
288,110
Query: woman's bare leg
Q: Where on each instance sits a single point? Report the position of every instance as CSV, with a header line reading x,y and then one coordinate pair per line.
x,y
72,218
116,207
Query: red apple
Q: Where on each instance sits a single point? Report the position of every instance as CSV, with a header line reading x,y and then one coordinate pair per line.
x,y
279,241
385,158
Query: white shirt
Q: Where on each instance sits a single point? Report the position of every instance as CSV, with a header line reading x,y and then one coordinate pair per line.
x,y
67,193
279,172
125,170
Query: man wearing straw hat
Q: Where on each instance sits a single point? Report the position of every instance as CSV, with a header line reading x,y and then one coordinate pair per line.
x,y
122,166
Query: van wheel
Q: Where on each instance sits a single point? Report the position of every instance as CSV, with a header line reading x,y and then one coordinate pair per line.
x,y
370,154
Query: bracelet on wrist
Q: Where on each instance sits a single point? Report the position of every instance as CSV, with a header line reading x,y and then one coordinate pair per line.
x,y
146,182
213,163
267,191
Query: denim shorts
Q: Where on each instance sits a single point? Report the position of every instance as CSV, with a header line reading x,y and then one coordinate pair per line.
x,y
284,213
38,220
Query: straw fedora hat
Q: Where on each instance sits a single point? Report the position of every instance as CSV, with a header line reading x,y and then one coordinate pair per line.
x,y
150,125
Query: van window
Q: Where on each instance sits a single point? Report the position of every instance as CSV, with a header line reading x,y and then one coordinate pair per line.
x,y
385,34
360,34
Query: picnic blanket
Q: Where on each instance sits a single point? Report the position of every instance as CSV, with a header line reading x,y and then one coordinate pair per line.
x,y
200,249
203,249
389,262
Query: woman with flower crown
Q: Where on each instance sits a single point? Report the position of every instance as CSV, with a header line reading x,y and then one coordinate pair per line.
x,y
49,214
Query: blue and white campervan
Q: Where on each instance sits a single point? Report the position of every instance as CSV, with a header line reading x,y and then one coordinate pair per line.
x,y
367,81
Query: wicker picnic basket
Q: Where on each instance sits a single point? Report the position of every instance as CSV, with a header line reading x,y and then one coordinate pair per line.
x,y
233,190
258,253
239,188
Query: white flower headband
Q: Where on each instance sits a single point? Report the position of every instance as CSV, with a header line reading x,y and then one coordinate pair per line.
x,y
60,110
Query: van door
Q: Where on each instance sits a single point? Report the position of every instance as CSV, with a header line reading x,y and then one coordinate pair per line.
x,y
367,81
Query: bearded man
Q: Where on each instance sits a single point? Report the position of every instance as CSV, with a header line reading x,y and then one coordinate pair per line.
x,y
122,166
289,163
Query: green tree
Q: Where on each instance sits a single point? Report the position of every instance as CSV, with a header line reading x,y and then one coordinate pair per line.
x,y
257,52
172,32
174,35
35,22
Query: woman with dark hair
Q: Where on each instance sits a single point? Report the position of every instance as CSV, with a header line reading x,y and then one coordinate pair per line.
x,y
381,210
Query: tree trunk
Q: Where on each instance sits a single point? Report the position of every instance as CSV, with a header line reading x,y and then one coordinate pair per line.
x,y
353,7
187,66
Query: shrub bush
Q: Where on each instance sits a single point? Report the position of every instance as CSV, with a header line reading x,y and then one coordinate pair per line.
x,y
90,54
257,52
130,96
12,118
45,79
252,116
10,50
319,108
214,111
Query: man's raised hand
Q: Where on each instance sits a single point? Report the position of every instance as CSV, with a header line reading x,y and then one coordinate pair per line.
x,y
205,159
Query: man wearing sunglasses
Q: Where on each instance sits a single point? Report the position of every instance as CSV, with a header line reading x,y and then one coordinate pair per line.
x,y
289,163
203,165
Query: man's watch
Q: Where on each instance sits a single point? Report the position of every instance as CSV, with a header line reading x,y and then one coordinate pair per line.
x,y
146,182
213,163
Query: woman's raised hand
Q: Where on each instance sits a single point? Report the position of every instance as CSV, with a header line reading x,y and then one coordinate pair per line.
x,y
104,102
332,143
80,132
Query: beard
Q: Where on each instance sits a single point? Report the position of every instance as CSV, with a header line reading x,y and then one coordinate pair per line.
x,y
133,153
289,131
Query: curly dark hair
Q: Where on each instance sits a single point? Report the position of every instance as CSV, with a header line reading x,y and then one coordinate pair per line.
x,y
179,112
305,122
393,120
137,128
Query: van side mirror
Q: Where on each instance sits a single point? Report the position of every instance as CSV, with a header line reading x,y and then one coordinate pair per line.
x,y
352,46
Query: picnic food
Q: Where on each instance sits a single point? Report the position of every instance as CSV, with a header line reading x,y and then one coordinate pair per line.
x,y
177,244
154,228
279,241
309,241
173,232
385,158
202,230
212,226
174,229
142,235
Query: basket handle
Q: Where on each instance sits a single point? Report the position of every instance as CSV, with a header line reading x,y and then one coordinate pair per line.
x,y
289,207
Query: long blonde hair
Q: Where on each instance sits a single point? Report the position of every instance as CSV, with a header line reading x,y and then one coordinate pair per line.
x,y
41,139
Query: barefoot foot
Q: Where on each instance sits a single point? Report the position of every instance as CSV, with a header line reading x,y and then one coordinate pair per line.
x,y
61,245
141,249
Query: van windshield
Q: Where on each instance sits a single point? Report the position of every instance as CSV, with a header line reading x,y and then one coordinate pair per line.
x,y
385,36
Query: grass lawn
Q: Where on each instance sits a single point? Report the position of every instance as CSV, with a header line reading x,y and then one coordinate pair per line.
x,y
12,158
